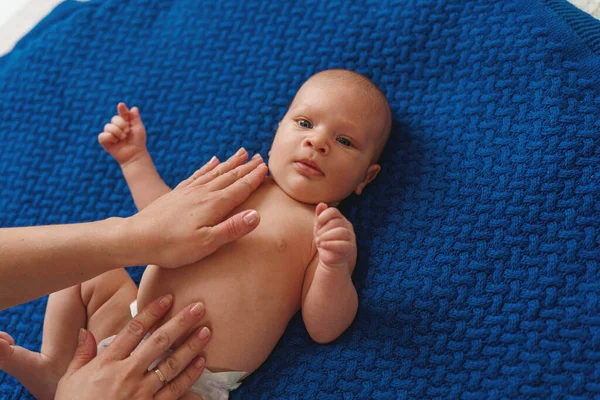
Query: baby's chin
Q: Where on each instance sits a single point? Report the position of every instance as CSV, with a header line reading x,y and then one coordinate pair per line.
x,y
304,192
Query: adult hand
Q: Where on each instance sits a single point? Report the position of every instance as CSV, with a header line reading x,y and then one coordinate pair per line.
x,y
179,228
117,374
199,205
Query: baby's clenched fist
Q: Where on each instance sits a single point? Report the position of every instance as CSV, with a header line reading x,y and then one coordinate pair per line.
x,y
334,237
124,137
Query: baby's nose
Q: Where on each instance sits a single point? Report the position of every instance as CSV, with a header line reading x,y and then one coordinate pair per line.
x,y
318,143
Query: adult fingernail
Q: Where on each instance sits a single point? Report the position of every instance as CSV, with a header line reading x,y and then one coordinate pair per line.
x,y
256,156
165,301
251,217
82,336
240,151
199,363
203,334
213,160
198,309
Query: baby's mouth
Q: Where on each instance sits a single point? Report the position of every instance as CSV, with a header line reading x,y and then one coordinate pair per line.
x,y
307,167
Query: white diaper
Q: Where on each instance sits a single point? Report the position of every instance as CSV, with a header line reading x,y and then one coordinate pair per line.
x,y
210,385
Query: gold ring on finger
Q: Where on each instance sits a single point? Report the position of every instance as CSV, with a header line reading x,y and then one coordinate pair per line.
x,y
160,375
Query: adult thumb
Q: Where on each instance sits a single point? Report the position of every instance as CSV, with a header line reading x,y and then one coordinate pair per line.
x,y
85,352
235,227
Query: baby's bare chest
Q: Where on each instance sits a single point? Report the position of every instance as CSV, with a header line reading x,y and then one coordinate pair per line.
x,y
283,238
265,267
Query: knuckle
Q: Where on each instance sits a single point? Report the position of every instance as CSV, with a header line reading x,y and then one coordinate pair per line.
x,y
236,174
80,354
151,311
210,241
128,372
175,387
232,228
225,198
217,171
192,345
172,364
181,320
136,328
161,339
246,184
197,174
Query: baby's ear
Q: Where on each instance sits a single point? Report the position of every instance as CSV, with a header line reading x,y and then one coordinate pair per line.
x,y
372,172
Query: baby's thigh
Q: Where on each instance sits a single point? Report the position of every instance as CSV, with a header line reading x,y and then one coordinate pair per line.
x,y
107,299
190,396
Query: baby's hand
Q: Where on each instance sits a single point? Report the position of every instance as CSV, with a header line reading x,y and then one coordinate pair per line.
x,y
124,137
334,237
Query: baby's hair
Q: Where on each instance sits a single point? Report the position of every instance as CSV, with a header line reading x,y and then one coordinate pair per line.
x,y
363,82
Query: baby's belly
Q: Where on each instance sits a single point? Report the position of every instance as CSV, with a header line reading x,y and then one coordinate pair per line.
x,y
247,306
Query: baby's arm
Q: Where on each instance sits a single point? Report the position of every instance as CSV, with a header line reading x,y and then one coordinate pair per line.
x,y
125,139
329,298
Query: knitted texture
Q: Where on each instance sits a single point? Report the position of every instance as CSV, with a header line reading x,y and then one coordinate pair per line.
x,y
478,272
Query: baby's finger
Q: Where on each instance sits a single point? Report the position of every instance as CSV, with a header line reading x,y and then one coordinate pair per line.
x,y
107,138
6,351
328,214
337,246
123,111
331,224
115,130
8,338
320,208
119,121
334,234
135,117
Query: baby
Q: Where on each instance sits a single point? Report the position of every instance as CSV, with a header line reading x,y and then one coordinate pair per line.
x,y
300,257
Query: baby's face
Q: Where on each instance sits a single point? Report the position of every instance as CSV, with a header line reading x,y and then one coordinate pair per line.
x,y
325,144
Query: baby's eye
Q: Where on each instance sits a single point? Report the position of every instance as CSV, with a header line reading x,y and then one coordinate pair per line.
x,y
304,123
345,142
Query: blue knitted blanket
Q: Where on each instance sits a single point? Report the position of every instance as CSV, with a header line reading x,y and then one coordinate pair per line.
x,y
479,242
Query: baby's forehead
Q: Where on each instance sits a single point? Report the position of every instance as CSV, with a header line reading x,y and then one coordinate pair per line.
x,y
348,114
321,95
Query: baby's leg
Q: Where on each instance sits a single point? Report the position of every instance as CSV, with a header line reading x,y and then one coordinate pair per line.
x,y
101,305
191,396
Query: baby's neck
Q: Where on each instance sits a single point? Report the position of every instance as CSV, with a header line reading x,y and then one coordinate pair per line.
x,y
269,181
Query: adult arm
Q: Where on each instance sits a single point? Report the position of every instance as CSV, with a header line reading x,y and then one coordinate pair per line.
x,y
181,227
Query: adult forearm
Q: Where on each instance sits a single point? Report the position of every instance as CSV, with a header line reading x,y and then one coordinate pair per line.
x,y
145,184
181,227
36,261
330,305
